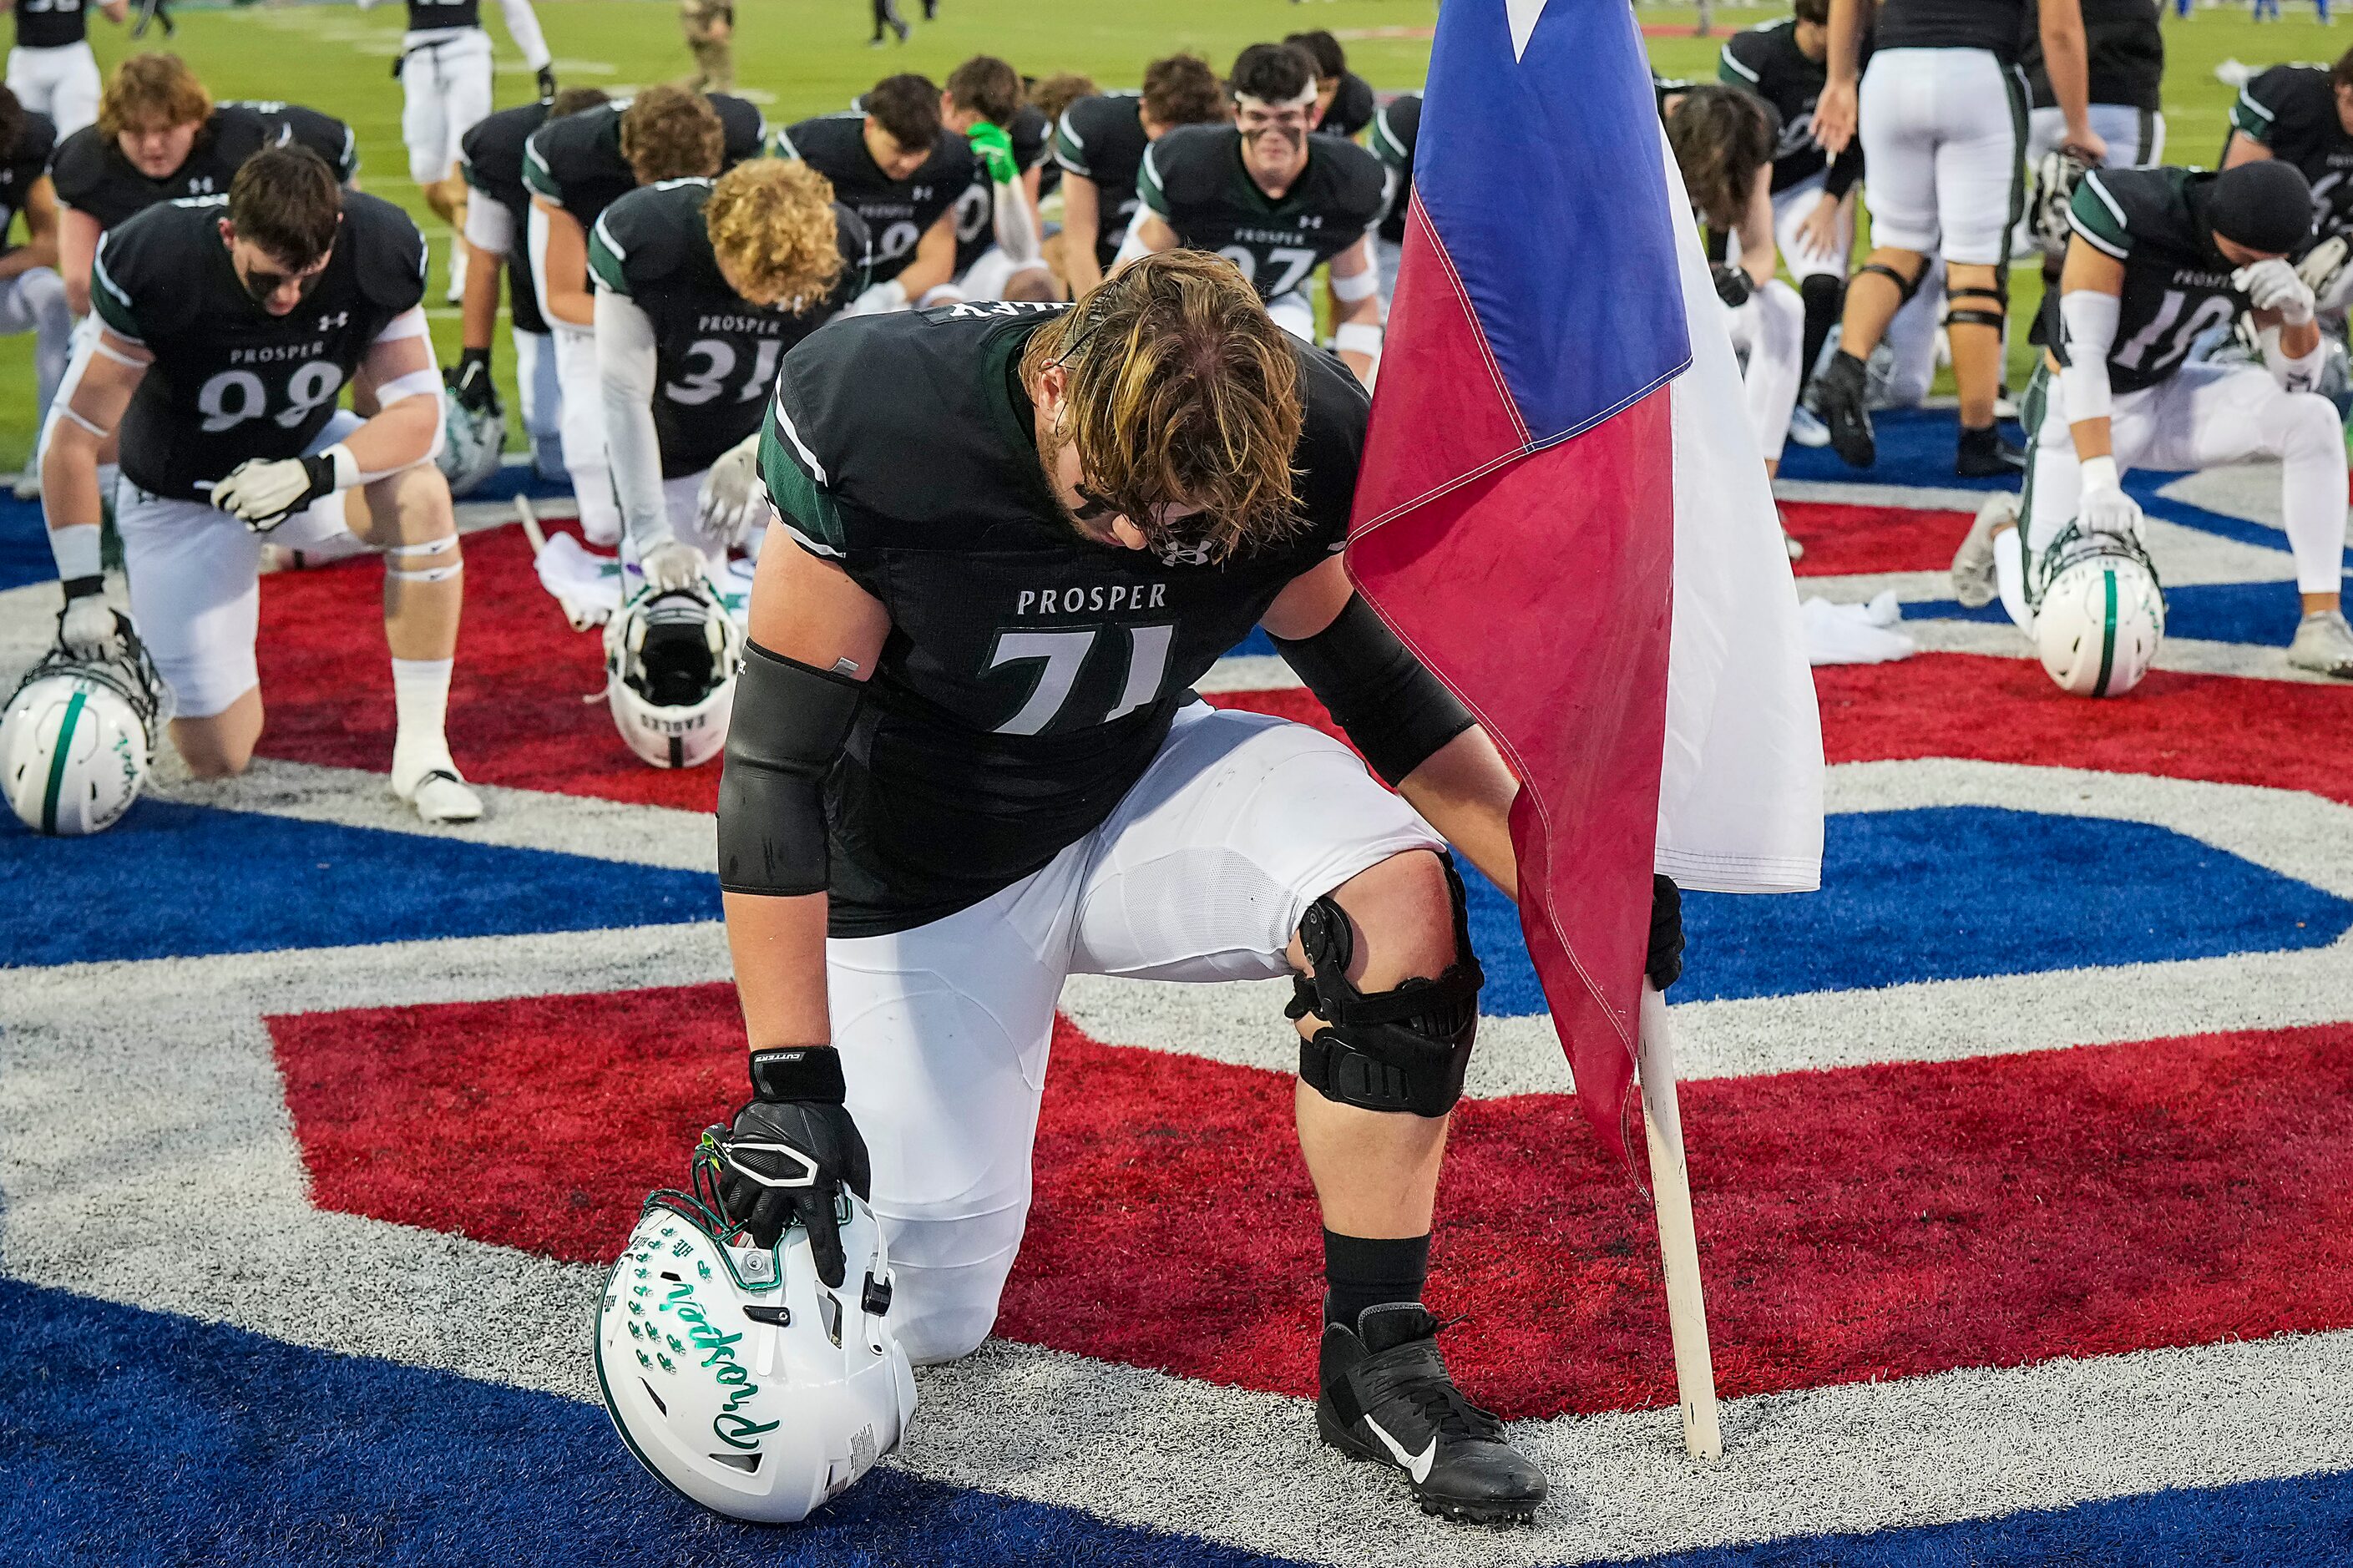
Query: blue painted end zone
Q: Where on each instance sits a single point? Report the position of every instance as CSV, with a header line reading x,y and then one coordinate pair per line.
x,y
2302,1523
24,545
139,1438
173,880
1915,447
2262,612
1913,895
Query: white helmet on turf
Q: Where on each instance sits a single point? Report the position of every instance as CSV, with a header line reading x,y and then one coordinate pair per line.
x,y
2101,616
473,443
671,661
76,737
734,1374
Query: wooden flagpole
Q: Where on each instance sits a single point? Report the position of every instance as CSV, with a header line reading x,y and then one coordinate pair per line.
x,y
1678,1237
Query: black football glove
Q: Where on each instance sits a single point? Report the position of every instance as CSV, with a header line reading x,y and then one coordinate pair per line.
x,y
1733,285
1664,964
470,382
546,84
792,1149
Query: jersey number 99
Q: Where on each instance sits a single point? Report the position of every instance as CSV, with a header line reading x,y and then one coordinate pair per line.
x,y
233,396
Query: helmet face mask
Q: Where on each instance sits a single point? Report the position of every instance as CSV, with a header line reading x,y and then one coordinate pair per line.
x,y
736,1375
76,735
473,445
2099,617
670,662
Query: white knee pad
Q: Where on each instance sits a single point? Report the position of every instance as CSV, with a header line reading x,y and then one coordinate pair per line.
x,y
949,1274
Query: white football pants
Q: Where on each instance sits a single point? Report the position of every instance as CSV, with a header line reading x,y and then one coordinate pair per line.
x,y
445,84
1201,874
2135,137
1791,208
541,394
1944,135
2202,417
60,82
34,302
1770,329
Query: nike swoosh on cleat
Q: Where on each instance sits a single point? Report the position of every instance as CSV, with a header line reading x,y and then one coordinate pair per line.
x,y
1416,1465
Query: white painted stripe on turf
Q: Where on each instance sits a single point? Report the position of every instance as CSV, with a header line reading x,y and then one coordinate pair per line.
x,y
1910,498
1248,672
516,819
2186,656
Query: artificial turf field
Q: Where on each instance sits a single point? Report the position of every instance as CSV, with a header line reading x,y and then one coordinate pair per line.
x,y
797,58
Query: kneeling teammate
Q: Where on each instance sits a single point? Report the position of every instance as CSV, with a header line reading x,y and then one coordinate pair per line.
x,y
901,171
229,327
1723,142
1100,143
998,251
701,288
965,762
1275,200
2159,258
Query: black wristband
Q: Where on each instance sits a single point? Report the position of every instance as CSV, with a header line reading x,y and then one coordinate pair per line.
x,y
807,1073
321,470
83,587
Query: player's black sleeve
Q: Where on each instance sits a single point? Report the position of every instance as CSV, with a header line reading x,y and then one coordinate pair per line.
x,y
78,169
747,129
1353,106
640,241
1030,134
389,251
138,279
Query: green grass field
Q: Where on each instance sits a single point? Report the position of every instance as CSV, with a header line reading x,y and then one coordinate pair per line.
x,y
797,58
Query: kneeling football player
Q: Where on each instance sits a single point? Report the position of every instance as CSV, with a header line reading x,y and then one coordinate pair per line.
x,y
702,286
2157,260
229,328
965,762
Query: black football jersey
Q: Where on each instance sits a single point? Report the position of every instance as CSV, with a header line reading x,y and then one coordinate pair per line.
x,y
1194,179
1102,139
491,158
91,175
1030,675
1395,131
435,15
322,134
1994,25
230,381
2127,62
2177,285
1353,106
1030,133
1767,62
897,212
50,23
2292,110
576,162
716,353
22,164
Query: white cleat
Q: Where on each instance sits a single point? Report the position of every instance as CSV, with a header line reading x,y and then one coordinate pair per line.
x,y
440,796
2324,644
1974,582
1807,429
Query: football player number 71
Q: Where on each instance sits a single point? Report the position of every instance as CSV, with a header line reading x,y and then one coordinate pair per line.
x,y
1064,654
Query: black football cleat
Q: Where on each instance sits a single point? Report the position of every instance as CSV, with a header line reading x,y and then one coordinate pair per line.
x,y
1984,455
1842,398
1386,1399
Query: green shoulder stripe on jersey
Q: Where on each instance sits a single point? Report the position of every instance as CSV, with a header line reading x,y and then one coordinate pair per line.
x,y
1386,146
782,146
2251,117
808,515
605,256
1729,70
2093,214
107,297
1147,182
537,177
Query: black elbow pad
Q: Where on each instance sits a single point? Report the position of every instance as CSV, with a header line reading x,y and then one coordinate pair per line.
x,y
788,726
1397,713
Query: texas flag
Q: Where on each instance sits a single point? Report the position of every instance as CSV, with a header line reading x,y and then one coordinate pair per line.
x,y
1563,512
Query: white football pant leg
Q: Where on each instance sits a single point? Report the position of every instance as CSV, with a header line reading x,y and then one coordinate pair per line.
x,y
1770,329
60,82
1897,123
985,278
1911,342
582,401
1791,208
34,302
1295,313
541,395
2135,137
194,573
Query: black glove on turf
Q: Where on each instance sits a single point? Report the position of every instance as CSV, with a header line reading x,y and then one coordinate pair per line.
x,y
471,382
1733,285
1664,965
813,1150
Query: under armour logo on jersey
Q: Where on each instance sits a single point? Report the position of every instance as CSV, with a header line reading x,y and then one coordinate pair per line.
x,y
201,186
329,324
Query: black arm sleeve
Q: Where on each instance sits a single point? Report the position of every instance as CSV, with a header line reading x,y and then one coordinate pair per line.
x,y
1845,169
1396,712
788,725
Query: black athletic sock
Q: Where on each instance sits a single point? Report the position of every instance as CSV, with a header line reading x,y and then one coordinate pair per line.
x,y
1983,435
1360,1273
1824,296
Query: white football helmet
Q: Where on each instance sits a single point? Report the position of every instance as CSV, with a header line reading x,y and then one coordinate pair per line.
x,y
2056,174
473,443
671,661
734,1374
76,736
2101,615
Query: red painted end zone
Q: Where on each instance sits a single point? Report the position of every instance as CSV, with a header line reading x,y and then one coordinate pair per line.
x,y
1874,1222
526,703
1843,539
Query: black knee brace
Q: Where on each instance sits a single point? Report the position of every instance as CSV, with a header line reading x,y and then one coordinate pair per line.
x,y
1975,315
1905,287
1404,1049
